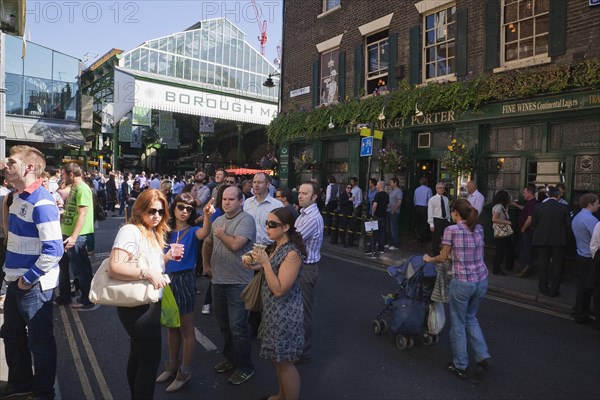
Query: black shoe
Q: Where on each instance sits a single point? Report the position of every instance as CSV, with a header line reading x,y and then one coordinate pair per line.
x,y
524,272
499,273
555,294
461,373
368,251
483,366
11,390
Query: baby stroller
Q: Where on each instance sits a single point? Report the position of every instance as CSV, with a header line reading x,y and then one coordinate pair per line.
x,y
409,305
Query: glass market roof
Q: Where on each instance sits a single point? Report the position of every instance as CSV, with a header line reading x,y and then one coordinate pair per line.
x,y
212,53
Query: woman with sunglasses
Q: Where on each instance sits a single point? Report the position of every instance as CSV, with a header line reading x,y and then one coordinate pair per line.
x,y
464,242
282,328
143,235
183,284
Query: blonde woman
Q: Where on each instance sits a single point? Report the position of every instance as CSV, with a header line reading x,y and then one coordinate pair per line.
x,y
145,234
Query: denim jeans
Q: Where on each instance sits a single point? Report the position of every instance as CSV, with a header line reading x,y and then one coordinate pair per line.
x,y
28,329
79,261
380,233
394,221
465,298
525,249
232,319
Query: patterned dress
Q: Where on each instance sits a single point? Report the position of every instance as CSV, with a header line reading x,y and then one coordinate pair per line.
x,y
282,328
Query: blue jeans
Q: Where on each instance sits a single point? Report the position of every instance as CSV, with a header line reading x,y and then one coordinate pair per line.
x,y
28,329
525,249
232,319
79,261
394,221
465,298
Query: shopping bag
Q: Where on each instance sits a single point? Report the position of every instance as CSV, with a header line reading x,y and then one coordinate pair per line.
x,y
437,318
169,312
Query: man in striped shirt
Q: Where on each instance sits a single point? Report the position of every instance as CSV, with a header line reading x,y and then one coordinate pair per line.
x,y
33,251
310,225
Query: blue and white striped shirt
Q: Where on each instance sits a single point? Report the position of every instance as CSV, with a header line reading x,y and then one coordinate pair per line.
x,y
310,225
34,238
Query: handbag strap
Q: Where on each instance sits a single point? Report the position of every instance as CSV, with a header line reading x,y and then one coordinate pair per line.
x,y
181,236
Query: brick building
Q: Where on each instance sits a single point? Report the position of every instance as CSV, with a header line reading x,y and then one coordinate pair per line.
x,y
513,79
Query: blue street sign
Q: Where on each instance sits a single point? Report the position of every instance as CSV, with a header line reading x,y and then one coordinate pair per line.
x,y
366,146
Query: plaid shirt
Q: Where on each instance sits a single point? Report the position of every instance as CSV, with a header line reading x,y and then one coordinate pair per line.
x,y
467,252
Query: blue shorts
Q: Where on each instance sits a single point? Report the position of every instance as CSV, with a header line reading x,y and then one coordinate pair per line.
x,y
183,285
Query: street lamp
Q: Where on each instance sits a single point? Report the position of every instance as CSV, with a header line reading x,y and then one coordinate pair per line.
x,y
269,82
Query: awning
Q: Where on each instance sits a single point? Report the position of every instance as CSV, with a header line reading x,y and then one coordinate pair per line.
x,y
156,92
248,171
42,131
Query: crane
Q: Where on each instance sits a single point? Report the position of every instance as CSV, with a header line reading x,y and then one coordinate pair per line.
x,y
262,27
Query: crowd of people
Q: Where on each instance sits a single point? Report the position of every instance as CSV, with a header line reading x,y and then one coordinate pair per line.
x,y
183,228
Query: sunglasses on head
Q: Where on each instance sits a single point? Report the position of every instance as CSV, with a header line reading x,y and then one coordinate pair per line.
x,y
182,207
273,224
153,211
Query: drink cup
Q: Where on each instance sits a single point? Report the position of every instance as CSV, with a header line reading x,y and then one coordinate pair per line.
x,y
177,251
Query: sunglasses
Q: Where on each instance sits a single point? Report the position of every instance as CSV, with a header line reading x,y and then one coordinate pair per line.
x,y
153,211
230,182
349,187
182,207
273,224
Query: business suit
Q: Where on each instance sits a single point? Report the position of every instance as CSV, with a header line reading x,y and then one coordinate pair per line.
x,y
551,223
437,221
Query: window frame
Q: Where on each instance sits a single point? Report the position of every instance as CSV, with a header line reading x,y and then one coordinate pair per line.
x,y
326,8
534,59
424,47
381,73
333,58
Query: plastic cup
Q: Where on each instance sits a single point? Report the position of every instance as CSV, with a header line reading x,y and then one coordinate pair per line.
x,y
177,251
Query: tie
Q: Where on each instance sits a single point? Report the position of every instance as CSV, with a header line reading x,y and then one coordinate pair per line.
x,y
443,207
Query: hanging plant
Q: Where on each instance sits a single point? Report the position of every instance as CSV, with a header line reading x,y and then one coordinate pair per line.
x,y
458,159
391,160
305,162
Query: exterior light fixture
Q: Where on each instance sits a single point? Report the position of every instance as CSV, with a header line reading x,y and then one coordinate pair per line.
x,y
381,115
331,124
418,112
269,82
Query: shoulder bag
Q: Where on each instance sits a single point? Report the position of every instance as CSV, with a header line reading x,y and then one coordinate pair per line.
x,y
113,292
502,230
251,294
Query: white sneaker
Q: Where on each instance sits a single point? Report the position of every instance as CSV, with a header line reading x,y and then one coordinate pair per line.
x,y
387,245
393,248
206,309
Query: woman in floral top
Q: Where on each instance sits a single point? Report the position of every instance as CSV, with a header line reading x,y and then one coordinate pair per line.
x,y
464,244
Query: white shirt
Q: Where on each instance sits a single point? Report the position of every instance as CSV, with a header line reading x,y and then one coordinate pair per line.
x,y
595,240
434,209
476,199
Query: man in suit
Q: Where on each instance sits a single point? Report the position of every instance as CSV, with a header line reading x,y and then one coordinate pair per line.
x,y
551,223
438,216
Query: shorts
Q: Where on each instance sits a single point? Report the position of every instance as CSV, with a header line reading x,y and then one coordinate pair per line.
x,y
183,285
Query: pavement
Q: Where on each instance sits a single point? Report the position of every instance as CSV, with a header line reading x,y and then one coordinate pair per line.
x,y
520,290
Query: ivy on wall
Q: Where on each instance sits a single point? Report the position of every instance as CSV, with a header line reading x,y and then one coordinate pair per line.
x,y
467,95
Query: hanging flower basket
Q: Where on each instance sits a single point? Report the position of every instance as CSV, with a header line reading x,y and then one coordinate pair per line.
x,y
458,159
391,160
305,163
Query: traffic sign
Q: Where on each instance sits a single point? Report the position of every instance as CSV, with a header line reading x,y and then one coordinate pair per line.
x,y
366,146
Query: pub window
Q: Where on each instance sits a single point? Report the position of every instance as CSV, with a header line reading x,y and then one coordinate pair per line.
x,y
377,60
524,33
329,5
439,35
329,76
337,160
503,173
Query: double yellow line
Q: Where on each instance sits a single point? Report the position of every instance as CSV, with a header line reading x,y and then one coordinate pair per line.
x,y
83,378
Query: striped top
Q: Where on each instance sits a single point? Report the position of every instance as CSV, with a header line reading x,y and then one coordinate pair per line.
x,y
310,225
34,238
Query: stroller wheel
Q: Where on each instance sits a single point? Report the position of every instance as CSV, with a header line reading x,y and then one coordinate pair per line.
x,y
411,343
384,325
377,328
401,342
436,338
428,339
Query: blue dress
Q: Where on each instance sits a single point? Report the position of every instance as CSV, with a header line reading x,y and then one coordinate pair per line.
x,y
282,328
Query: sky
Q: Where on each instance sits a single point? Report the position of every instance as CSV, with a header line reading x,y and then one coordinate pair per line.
x,y
88,29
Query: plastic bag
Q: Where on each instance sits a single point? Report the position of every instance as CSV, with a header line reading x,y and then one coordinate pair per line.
x,y
437,318
169,312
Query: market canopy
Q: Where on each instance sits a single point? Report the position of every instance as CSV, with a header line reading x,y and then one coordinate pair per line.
x,y
42,131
